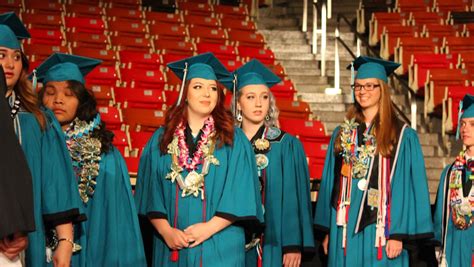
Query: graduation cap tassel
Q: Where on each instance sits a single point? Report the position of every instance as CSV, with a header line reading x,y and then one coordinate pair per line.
x,y
459,120
185,71
234,90
352,81
35,80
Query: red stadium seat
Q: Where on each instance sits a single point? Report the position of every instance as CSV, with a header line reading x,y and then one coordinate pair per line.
x,y
380,20
423,17
412,5
39,52
46,37
102,75
132,166
86,25
124,14
140,98
279,70
222,52
121,141
104,95
11,5
139,140
266,56
303,128
168,32
458,45
128,28
171,97
48,22
237,24
161,17
87,40
316,166
152,79
406,46
208,35
293,109
285,89
109,57
179,48
201,21
84,11
421,63
452,5
125,4
122,43
390,35
143,119
245,38
199,9
232,65
44,8
112,116
231,12
172,81
167,58
140,60
438,30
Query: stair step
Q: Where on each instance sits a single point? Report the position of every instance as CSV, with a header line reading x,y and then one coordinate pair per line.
x,y
311,88
298,63
308,79
293,55
291,48
302,71
328,107
322,97
330,116
283,34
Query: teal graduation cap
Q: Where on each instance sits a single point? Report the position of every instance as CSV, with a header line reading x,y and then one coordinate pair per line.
x,y
12,30
205,66
466,110
369,67
64,67
253,73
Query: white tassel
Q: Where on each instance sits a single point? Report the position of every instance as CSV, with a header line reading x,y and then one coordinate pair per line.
x,y
49,254
443,262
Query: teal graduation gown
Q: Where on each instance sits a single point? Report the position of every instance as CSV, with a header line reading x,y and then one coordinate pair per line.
x,y
231,192
56,199
288,219
111,235
459,244
410,209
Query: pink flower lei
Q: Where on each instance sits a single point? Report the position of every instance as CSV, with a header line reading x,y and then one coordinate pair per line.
x,y
184,160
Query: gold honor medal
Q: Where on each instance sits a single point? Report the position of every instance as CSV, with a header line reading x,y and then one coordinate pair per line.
x,y
362,184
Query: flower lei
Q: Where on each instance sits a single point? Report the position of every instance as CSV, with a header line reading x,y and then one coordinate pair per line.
x,y
85,154
461,207
179,151
360,158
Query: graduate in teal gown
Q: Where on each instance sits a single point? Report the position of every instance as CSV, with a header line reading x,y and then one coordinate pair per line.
x,y
455,199
56,201
282,169
197,180
111,235
373,201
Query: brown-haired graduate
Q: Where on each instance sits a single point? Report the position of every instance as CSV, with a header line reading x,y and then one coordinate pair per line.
x,y
374,195
55,197
16,195
197,179
453,217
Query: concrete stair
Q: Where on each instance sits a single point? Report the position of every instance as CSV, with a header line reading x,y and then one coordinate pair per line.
x,y
281,26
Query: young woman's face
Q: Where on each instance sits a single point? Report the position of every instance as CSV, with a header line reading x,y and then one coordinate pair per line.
x,y
254,102
367,92
467,131
61,100
10,59
202,96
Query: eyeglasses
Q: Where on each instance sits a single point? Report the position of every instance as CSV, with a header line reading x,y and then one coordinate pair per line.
x,y
367,86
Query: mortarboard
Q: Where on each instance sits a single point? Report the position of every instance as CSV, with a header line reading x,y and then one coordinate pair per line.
x,y
466,110
369,67
205,66
12,30
64,67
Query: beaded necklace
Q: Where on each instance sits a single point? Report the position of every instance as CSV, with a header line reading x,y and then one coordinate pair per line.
x,y
461,207
85,153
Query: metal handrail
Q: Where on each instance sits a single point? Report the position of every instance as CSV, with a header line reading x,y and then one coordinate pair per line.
x,y
402,82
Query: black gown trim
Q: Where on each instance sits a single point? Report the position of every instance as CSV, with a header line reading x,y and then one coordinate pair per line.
x,y
250,223
68,216
321,228
296,248
407,237
156,215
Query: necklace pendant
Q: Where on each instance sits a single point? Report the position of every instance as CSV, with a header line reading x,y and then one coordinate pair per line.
x,y
346,169
262,144
362,184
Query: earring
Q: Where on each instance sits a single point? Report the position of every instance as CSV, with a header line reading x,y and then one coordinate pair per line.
x,y
267,118
239,116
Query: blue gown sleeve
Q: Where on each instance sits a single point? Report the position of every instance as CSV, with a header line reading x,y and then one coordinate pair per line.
x,y
296,216
322,217
148,190
439,206
410,210
60,196
240,200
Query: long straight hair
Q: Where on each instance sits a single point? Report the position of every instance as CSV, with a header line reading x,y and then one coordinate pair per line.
x,y
29,99
385,122
224,123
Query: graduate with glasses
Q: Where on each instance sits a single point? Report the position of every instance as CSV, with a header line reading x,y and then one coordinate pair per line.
x,y
282,169
373,200
453,217
197,179
111,235
55,197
